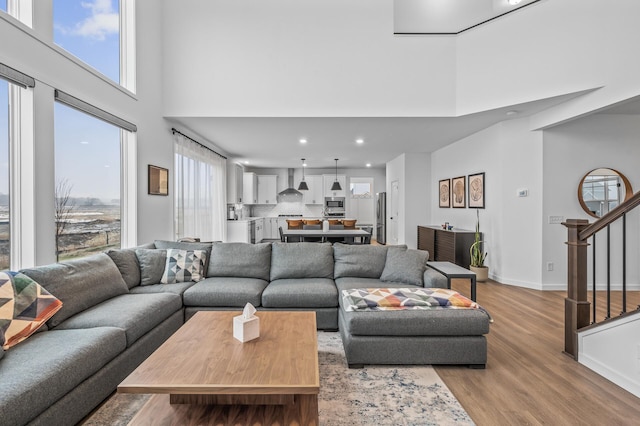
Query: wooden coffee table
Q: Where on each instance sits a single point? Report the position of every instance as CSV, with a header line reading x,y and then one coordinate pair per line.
x,y
203,376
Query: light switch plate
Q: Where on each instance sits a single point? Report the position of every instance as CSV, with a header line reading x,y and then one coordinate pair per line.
x,y
556,220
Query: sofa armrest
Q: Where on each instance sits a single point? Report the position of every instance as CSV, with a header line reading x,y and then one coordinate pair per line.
x,y
434,279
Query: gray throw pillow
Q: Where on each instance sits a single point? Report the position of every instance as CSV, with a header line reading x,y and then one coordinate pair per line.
x,y
405,266
152,263
240,260
127,263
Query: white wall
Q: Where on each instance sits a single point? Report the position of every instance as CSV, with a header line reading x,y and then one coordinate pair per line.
x,y
551,48
571,151
511,158
412,171
291,58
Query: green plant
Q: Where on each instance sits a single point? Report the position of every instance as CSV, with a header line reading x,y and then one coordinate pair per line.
x,y
477,256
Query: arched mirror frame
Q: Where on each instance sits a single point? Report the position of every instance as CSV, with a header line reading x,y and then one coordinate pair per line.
x,y
628,190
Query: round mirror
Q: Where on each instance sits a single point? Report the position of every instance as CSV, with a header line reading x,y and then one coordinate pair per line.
x,y
601,190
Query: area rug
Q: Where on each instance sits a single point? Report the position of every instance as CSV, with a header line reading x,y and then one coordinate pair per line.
x,y
374,395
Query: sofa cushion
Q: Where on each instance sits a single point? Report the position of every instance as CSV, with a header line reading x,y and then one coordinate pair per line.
x,y
177,288
152,263
48,365
183,245
301,260
128,265
225,292
365,260
136,314
240,260
184,266
405,266
432,322
300,293
79,283
24,307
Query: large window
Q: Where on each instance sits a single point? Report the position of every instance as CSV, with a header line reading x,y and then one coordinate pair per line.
x,y
90,30
87,162
200,191
3,5
5,244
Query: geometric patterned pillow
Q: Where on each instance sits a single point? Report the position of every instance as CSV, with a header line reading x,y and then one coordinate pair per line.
x,y
184,265
24,307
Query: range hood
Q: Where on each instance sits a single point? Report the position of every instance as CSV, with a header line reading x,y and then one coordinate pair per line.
x,y
290,195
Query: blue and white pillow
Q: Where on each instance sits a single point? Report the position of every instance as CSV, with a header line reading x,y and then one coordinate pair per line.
x,y
184,266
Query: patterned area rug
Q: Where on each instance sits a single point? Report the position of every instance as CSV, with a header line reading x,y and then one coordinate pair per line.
x,y
382,395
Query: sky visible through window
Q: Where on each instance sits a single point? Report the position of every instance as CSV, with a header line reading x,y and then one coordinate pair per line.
x,y
3,5
87,154
90,30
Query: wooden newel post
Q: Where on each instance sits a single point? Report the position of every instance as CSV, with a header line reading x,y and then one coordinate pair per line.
x,y
576,305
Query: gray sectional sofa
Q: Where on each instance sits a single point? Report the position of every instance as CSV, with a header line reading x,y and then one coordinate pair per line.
x,y
116,313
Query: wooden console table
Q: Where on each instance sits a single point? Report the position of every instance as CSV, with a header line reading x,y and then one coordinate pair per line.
x,y
446,246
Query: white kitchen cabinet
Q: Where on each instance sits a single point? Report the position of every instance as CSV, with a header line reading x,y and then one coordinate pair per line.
x,y
250,189
271,228
259,230
235,184
238,231
328,182
267,189
315,193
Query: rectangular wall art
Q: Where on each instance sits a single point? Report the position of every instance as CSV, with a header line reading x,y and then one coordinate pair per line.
x,y
476,191
445,193
458,192
158,180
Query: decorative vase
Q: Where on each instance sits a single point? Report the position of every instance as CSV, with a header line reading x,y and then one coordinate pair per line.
x,y
482,272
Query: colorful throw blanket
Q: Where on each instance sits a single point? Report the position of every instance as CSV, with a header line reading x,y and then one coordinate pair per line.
x,y
385,299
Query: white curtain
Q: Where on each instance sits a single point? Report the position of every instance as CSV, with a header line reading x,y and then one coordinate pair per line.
x,y
200,193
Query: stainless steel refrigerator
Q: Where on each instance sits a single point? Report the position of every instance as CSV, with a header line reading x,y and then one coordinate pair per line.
x,y
381,217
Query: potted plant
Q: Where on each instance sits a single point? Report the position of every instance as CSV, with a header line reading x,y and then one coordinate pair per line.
x,y
477,255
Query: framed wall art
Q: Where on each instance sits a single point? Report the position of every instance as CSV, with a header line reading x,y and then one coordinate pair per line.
x,y
158,180
445,193
458,194
476,191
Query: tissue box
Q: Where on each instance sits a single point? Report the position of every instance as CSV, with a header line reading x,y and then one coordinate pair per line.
x,y
246,329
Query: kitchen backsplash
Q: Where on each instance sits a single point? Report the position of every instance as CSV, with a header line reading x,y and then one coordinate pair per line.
x,y
260,210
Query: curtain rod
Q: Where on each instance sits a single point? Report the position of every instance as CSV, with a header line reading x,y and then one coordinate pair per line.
x,y
173,130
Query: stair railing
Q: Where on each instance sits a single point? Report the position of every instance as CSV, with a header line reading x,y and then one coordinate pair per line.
x,y
577,313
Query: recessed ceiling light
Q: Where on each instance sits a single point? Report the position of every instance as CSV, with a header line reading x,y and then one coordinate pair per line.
x,y
512,112
514,2
246,162
84,143
303,141
368,164
359,141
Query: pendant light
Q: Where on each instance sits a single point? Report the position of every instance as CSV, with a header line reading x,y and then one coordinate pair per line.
x,y
303,185
336,185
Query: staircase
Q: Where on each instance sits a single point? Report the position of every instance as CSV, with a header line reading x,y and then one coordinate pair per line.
x,y
611,347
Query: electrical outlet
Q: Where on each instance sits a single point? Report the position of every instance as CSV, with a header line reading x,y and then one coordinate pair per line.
x,y
523,192
549,266
556,220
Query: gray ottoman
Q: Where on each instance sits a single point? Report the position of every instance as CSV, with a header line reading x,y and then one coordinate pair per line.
x,y
437,336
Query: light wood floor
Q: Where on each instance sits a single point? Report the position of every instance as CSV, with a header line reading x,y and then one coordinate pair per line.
x,y
528,379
